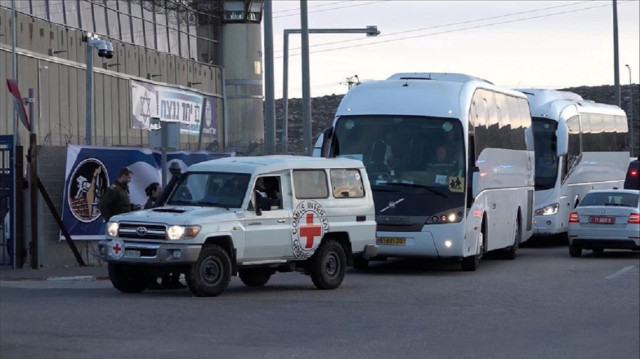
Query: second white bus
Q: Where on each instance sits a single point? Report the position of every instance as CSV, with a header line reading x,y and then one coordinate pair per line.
x,y
579,146
475,195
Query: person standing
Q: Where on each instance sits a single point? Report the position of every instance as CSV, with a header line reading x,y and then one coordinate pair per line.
x,y
152,191
116,199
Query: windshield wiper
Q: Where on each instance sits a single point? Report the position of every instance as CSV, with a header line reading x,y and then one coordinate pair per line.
x,y
430,189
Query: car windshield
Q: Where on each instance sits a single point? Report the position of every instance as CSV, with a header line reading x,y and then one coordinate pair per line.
x,y
214,189
610,199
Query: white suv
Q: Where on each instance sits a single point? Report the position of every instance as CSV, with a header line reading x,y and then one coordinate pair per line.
x,y
250,216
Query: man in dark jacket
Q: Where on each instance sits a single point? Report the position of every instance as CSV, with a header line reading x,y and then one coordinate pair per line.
x,y
116,199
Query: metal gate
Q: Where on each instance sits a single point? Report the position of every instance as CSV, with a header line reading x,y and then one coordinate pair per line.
x,y
7,244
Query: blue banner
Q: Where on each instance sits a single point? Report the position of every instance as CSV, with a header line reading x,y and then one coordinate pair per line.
x,y
91,170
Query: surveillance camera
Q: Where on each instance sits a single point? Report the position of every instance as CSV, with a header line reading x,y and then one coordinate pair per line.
x,y
109,53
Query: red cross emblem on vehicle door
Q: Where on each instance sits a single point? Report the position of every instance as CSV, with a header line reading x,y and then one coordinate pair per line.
x,y
310,230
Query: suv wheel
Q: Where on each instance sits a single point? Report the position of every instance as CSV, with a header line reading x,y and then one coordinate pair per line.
x,y
209,276
255,277
328,265
127,279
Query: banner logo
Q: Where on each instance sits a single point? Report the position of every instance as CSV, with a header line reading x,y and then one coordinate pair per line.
x,y
89,181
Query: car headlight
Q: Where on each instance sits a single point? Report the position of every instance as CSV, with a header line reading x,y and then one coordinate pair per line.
x,y
548,210
182,232
112,229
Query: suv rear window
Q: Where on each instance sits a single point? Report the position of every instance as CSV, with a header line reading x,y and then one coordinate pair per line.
x,y
610,199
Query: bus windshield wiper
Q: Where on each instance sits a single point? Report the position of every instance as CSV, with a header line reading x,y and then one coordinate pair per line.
x,y
430,189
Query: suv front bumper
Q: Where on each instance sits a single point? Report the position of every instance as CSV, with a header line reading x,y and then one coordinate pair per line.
x,y
118,250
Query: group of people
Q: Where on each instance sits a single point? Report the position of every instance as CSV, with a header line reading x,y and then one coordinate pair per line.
x,y
116,200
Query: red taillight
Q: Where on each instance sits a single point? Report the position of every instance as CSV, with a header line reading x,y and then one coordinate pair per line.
x,y
633,173
573,217
634,218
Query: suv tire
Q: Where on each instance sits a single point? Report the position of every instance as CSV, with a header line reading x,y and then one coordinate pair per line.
x,y
209,276
328,265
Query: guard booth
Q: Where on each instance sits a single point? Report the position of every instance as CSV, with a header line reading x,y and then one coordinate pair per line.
x,y
7,215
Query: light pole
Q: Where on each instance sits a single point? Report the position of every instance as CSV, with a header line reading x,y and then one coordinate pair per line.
x,y
105,49
369,30
630,109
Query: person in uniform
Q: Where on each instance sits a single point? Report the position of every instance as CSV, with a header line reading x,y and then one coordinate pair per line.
x,y
116,199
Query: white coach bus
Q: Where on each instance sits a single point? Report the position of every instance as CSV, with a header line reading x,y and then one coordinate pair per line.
x,y
450,159
579,146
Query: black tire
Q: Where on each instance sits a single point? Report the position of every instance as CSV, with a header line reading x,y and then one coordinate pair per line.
x,y
575,251
328,265
127,279
359,262
209,276
255,277
512,252
471,263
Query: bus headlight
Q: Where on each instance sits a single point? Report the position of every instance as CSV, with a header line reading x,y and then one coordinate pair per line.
x,y
182,232
450,216
112,229
548,210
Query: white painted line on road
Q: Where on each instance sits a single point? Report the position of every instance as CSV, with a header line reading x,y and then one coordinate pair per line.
x,y
70,278
620,272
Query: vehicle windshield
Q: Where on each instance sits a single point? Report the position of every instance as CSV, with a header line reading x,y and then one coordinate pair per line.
x,y
544,133
214,189
424,153
610,199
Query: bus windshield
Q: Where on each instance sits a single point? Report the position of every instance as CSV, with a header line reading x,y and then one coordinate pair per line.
x,y
544,132
424,153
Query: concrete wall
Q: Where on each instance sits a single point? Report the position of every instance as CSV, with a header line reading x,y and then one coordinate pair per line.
x,y
59,83
59,108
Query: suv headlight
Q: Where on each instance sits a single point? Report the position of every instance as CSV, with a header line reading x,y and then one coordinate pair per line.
x,y
112,229
548,210
182,232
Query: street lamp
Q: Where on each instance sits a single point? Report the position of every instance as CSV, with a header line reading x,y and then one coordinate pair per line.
x,y
630,109
105,49
369,30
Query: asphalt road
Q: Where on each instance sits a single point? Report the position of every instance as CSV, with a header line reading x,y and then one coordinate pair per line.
x,y
542,305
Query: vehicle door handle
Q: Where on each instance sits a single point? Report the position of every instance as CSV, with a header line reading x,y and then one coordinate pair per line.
x,y
281,221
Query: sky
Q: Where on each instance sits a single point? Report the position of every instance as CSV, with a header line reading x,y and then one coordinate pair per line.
x,y
515,44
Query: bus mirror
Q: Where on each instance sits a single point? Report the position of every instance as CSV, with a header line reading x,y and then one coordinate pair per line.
x,y
327,137
562,138
473,184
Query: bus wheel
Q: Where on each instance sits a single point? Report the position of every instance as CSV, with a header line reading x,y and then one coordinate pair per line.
x,y
511,252
471,263
359,262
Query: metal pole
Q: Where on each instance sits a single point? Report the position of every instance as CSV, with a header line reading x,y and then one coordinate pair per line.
x,y
616,69
33,189
89,93
16,138
285,93
306,86
633,139
369,30
269,101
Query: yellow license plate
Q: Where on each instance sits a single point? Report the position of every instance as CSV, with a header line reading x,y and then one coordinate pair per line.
x,y
392,241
